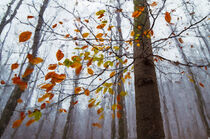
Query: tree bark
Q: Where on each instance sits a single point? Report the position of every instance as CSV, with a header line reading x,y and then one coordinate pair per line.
x,y
148,115
16,93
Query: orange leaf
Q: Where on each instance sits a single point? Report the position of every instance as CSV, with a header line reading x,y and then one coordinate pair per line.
x,y
86,46
136,14
119,107
100,110
48,87
52,66
118,98
86,20
67,35
43,105
30,16
78,70
87,92
90,105
99,35
77,90
202,85
119,115
153,4
62,110
19,100
30,122
85,35
24,36
112,74
97,125
27,72
22,115
59,55
36,60
17,123
76,30
54,26
101,26
89,62
14,66
168,17
2,82
90,71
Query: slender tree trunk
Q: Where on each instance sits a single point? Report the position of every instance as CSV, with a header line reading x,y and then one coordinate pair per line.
x,y
148,115
16,93
122,122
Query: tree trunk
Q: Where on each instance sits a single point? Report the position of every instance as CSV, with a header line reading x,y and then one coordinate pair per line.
x,y
148,115
16,93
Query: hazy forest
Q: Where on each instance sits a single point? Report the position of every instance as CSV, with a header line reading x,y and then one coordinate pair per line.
x,y
104,69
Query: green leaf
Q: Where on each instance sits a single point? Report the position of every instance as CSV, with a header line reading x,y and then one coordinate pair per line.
x,y
67,62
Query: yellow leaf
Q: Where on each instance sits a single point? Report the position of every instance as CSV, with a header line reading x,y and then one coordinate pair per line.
x,y
114,106
111,91
101,117
24,36
90,71
132,33
123,93
84,35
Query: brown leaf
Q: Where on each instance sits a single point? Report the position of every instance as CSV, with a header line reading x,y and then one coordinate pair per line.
x,y
14,66
59,55
168,17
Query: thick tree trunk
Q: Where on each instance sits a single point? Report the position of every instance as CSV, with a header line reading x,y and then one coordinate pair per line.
x,y
16,93
148,115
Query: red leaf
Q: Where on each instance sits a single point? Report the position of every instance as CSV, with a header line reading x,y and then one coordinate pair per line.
x,y
2,82
14,66
43,106
17,123
202,85
30,122
29,17
168,17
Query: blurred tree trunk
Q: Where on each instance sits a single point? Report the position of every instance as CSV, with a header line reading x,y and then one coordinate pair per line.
x,y
122,122
148,115
16,93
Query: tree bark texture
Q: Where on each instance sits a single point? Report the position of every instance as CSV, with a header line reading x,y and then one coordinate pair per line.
x,y
148,115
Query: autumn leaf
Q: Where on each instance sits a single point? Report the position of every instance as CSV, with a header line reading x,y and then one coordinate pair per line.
x,y
119,115
78,69
99,35
153,4
60,22
114,106
101,26
24,36
77,90
43,106
59,55
27,72
48,87
19,100
17,123
52,66
85,35
119,107
2,82
136,13
31,121
90,71
76,30
100,12
97,125
67,35
74,103
168,17
14,66
118,98
202,85
87,92
29,17
36,60
91,104
100,110
89,62
62,110
123,93
112,74
84,47
180,40
54,26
